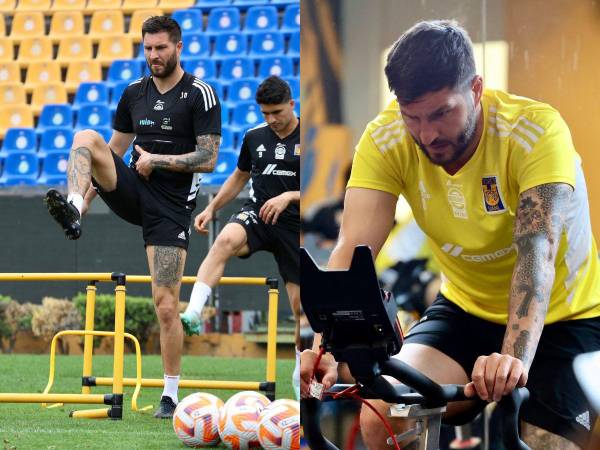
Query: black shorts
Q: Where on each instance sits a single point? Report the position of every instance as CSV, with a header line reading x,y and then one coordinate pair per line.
x,y
136,202
282,242
557,403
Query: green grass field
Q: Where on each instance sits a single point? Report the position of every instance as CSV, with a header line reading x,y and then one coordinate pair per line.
x,y
29,426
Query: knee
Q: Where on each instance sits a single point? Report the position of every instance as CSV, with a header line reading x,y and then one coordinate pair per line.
x,y
90,139
373,432
225,246
166,308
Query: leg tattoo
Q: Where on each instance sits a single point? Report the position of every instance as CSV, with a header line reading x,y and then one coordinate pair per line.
x,y
79,170
168,265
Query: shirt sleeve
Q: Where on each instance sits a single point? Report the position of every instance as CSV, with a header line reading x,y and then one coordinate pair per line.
x,y
206,113
123,122
245,160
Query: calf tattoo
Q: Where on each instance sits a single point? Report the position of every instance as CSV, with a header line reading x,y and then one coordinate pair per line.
x,y
79,170
168,265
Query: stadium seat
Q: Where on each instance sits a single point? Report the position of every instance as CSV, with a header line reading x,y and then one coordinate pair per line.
x,y
124,70
55,140
202,67
102,5
234,68
218,87
209,4
107,23
226,139
261,18
76,48
246,114
45,94
230,45
42,73
55,116
129,6
65,24
19,140
7,51
93,116
195,45
242,90
12,94
297,108
169,6
115,96
2,25
91,93
291,19
224,167
35,49
34,5
80,71
225,114
8,6
275,65
190,20
12,116
245,4
54,169
27,25
137,19
285,2
294,86
294,46
223,20
266,44
20,168
105,132
111,48
9,72
68,5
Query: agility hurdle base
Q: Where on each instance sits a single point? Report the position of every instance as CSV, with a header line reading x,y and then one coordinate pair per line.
x,y
117,381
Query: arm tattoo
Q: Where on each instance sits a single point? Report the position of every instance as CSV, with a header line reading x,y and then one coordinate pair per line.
x,y
168,265
79,170
203,159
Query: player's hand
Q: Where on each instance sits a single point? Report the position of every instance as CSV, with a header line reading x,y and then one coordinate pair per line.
x,y
270,211
202,220
143,165
326,372
496,375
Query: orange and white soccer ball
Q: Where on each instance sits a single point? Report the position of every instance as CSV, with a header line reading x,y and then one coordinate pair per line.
x,y
279,425
196,419
238,424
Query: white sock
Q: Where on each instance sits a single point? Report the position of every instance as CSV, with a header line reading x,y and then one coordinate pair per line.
x,y
200,293
171,385
77,201
296,376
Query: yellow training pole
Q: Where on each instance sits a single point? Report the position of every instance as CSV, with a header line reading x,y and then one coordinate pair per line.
x,y
187,384
117,406
51,398
272,337
88,340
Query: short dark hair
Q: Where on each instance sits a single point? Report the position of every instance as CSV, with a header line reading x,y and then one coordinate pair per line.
x,y
273,91
158,24
430,56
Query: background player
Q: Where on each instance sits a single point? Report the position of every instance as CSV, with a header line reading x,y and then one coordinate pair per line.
x,y
270,219
175,119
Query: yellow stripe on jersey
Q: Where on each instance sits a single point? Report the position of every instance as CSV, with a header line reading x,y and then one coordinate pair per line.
x,y
469,216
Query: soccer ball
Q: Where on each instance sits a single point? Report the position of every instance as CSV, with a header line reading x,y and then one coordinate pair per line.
x,y
279,426
196,419
238,424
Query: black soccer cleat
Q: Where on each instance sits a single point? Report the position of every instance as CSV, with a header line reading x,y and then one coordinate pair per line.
x,y
64,213
166,408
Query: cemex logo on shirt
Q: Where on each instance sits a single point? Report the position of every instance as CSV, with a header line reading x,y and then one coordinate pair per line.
x,y
271,170
146,122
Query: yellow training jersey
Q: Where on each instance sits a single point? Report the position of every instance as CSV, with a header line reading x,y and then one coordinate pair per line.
x,y
468,217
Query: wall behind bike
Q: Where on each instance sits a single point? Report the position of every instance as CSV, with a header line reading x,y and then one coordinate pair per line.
x,y
31,242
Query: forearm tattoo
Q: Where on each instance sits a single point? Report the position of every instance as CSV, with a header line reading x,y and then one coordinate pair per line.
x,y
538,227
168,265
203,159
79,170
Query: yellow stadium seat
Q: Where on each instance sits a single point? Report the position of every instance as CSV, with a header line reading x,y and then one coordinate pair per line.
x,y
107,23
34,5
129,6
65,24
41,73
26,25
2,25
10,72
169,6
101,5
35,49
68,5
8,6
47,94
7,51
80,71
13,116
12,94
137,19
111,48
76,48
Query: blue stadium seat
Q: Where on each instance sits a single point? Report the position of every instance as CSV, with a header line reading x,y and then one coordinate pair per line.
x,y
54,169
124,70
231,44
246,114
95,92
297,108
55,116
209,4
225,115
226,139
291,19
19,140
93,116
285,2
218,87
195,45
281,66
245,4
55,140
294,86
190,20
223,20
116,93
200,67
226,164
140,54
261,18
266,44
20,168
105,132
234,68
294,46
242,90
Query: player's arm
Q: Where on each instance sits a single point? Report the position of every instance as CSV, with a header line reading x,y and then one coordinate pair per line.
x,y
539,223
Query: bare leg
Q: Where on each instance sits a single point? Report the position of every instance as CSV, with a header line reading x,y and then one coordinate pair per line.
x,y
539,439
293,291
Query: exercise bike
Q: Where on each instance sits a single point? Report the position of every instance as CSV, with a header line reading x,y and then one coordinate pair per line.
x,y
358,324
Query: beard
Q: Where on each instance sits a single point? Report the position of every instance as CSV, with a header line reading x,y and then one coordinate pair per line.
x,y
166,70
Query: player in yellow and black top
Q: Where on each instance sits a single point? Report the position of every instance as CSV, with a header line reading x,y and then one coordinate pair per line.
x,y
495,183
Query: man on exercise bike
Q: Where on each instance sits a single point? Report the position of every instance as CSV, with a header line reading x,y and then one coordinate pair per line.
x,y
494,181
